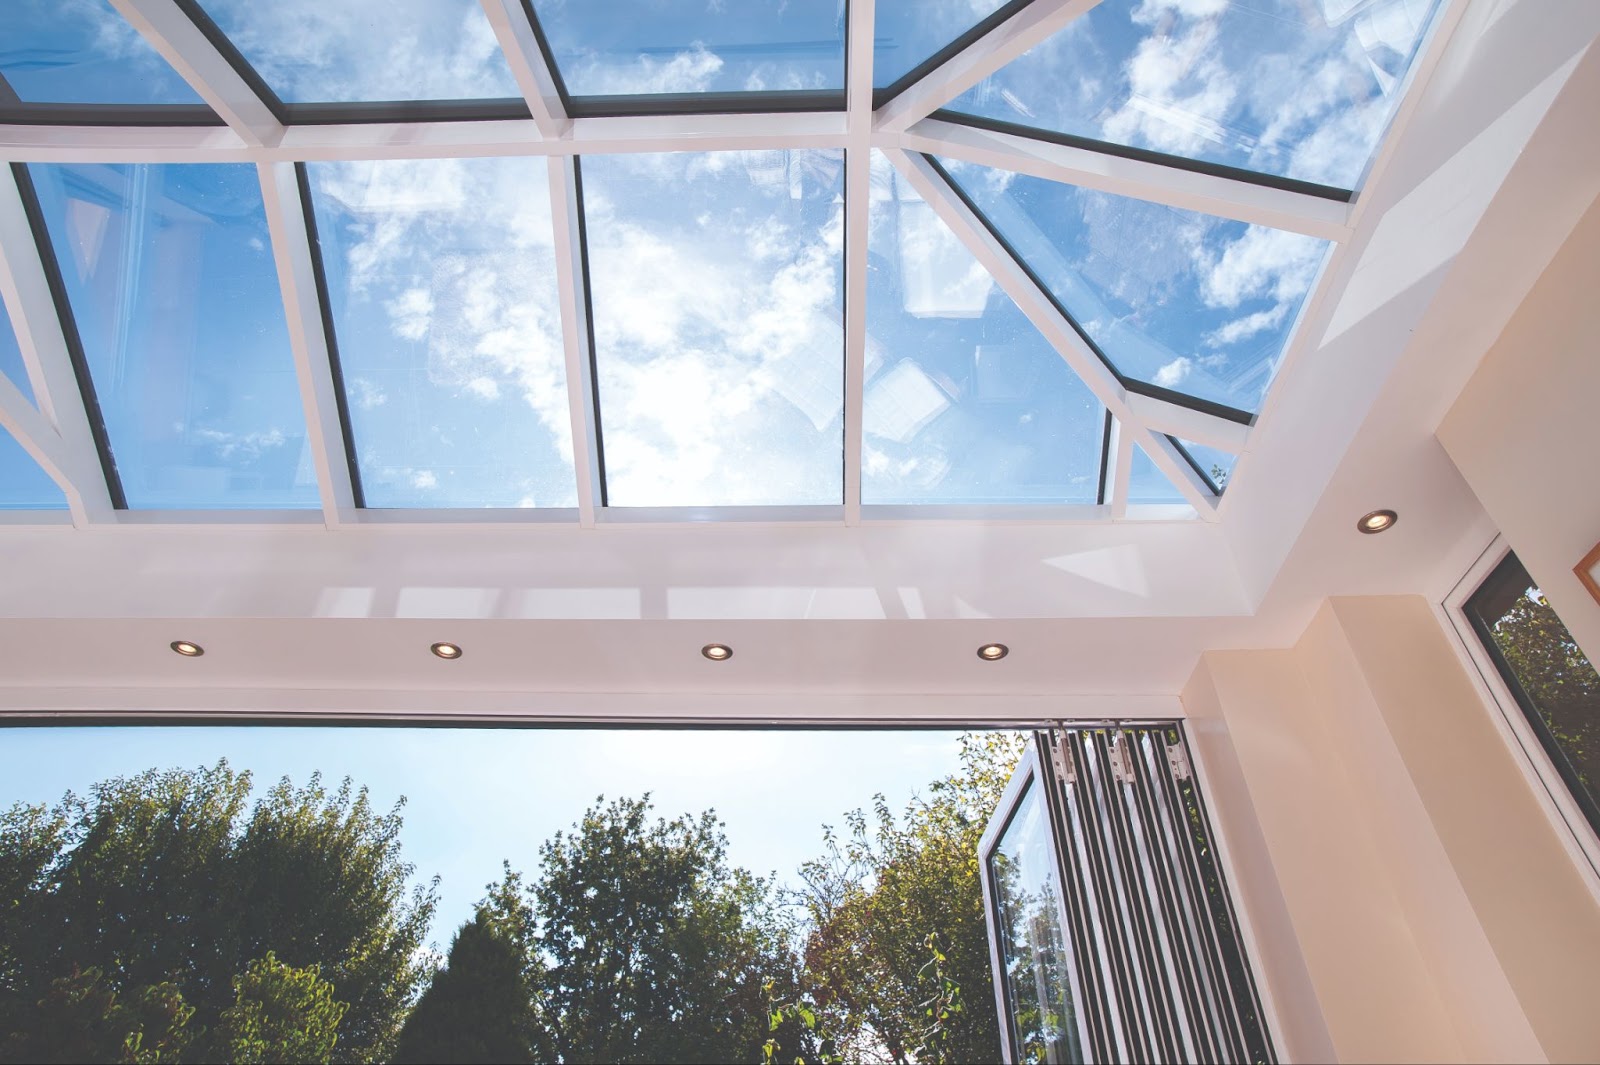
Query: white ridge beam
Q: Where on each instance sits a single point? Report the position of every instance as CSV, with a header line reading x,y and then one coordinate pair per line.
x,y
978,60
857,212
565,210
1051,322
72,458
509,20
191,53
1244,201
1164,416
292,251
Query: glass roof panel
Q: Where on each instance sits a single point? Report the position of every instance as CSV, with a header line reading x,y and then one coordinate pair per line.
x,y
1188,302
694,46
23,485
441,278
965,401
170,277
1147,484
81,52
1216,465
908,32
716,297
1294,88
316,51
11,363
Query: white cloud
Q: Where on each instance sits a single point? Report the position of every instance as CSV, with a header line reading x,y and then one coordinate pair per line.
x,y
1179,93
1174,373
689,71
1248,326
424,480
1265,263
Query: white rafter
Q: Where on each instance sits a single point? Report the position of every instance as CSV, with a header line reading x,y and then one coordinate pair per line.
x,y
191,53
978,60
857,211
292,251
1226,197
1011,277
574,297
509,20
1119,471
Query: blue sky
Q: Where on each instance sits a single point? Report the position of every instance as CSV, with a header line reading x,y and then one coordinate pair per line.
x,y
478,796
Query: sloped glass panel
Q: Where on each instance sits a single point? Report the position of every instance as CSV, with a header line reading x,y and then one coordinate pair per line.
x,y
908,32
23,485
11,357
170,278
1293,88
441,278
1147,484
1216,465
716,297
1193,303
692,46
345,51
81,52
965,401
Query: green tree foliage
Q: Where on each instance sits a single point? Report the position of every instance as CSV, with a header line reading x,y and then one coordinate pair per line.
x,y
480,1007
1558,677
279,1014
80,1019
652,949
172,878
875,896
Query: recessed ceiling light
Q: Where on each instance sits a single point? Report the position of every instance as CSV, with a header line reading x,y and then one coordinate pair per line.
x,y
1377,521
993,652
446,650
717,652
188,649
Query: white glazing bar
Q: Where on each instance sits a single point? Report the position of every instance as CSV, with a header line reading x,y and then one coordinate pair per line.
x,y
191,53
292,251
1022,289
978,60
857,210
1167,417
509,20
124,144
1119,457
574,297
1143,179
1179,470
39,438
43,344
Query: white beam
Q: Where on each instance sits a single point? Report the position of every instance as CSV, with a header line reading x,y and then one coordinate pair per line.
x,y
978,60
122,144
191,53
509,20
1244,201
857,218
39,439
74,463
1119,456
1184,477
292,251
1049,320
1164,416
565,210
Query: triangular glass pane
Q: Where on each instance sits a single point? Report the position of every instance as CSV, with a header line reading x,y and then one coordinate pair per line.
x,y
691,46
11,357
965,401
906,33
81,52
1147,484
1185,301
347,51
441,277
1215,465
1291,88
23,485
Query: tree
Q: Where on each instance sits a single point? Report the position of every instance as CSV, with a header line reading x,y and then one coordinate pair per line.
x,y
651,947
480,1007
875,897
279,1014
1559,679
80,1019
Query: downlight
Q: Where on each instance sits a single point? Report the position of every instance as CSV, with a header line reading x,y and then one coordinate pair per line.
x,y
1378,521
993,652
717,652
188,649
446,650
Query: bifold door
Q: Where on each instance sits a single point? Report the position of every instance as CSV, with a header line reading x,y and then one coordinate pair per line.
x,y
1112,934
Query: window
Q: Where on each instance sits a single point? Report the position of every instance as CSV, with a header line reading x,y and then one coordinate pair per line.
x,y
1547,673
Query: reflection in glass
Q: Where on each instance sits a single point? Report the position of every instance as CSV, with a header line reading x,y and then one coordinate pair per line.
x,y
316,51
1295,88
907,32
1033,951
23,485
1217,466
1185,301
1553,681
715,286
441,279
171,282
965,401
691,46
81,52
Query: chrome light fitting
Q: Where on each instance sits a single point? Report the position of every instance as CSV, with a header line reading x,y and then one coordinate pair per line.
x,y
188,648
717,652
993,652
446,650
1378,521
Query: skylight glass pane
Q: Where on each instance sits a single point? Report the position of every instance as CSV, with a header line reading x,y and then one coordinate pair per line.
x,y
965,401
344,51
1286,87
169,273
441,276
23,485
1216,465
81,52
11,363
1186,301
716,297
1147,484
907,32
694,46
